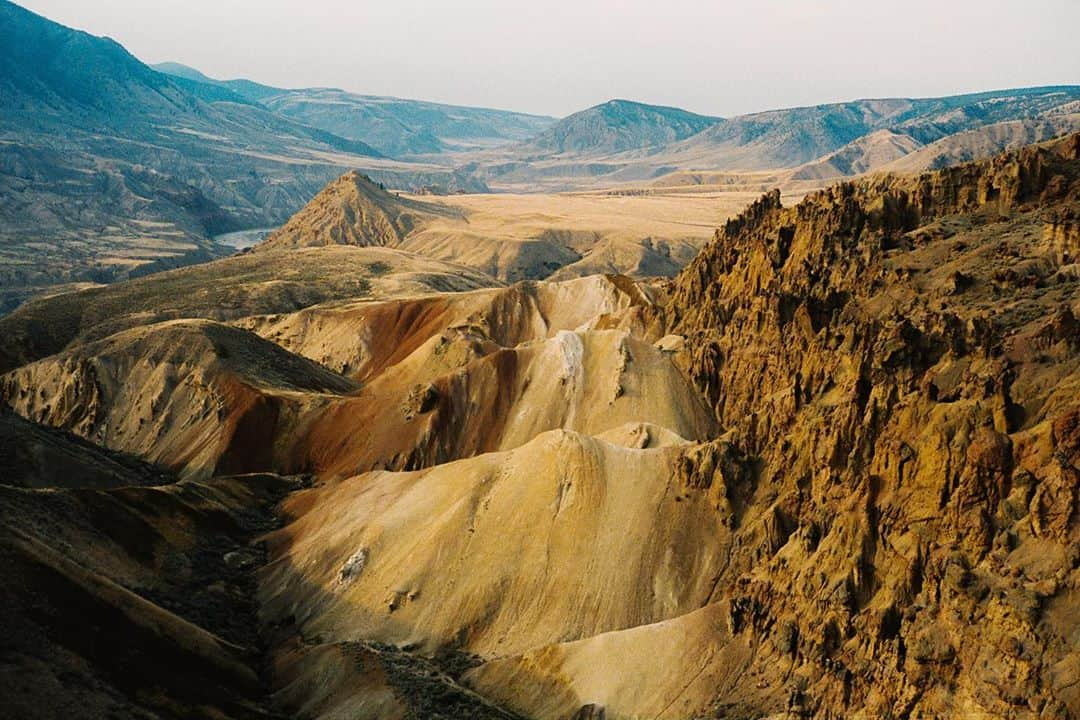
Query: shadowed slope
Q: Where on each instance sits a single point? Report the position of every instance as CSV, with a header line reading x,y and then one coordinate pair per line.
x,y
33,455
121,603
192,395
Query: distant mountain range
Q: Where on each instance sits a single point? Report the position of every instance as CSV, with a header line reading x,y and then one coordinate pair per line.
x,y
624,142
393,126
787,138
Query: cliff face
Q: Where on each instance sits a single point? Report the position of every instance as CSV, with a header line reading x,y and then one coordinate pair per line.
x,y
897,362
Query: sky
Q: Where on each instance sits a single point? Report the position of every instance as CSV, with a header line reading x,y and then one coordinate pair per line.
x,y
555,57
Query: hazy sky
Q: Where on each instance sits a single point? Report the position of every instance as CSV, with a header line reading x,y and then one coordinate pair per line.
x,y
558,56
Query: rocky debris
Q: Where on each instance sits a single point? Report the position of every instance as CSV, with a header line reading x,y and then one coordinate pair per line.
x,y
1062,234
421,400
398,597
717,469
241,559
425,687
671,343
958,282
353,566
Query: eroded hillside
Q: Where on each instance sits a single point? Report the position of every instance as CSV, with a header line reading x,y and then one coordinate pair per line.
x,y
898,357
830,470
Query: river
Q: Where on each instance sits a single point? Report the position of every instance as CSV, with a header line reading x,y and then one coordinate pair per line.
x,y
242,239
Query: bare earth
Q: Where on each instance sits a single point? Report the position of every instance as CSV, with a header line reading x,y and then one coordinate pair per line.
x,y
831,469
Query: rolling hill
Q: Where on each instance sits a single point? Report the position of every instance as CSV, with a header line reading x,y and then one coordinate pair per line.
x,y
226,289
615,126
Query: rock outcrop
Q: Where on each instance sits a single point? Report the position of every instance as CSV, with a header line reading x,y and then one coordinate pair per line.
x,y
897,359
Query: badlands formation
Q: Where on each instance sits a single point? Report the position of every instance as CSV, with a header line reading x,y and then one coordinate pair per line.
x,y
829,470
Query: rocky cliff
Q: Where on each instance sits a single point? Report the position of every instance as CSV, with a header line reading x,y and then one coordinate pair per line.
x,y
896,361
